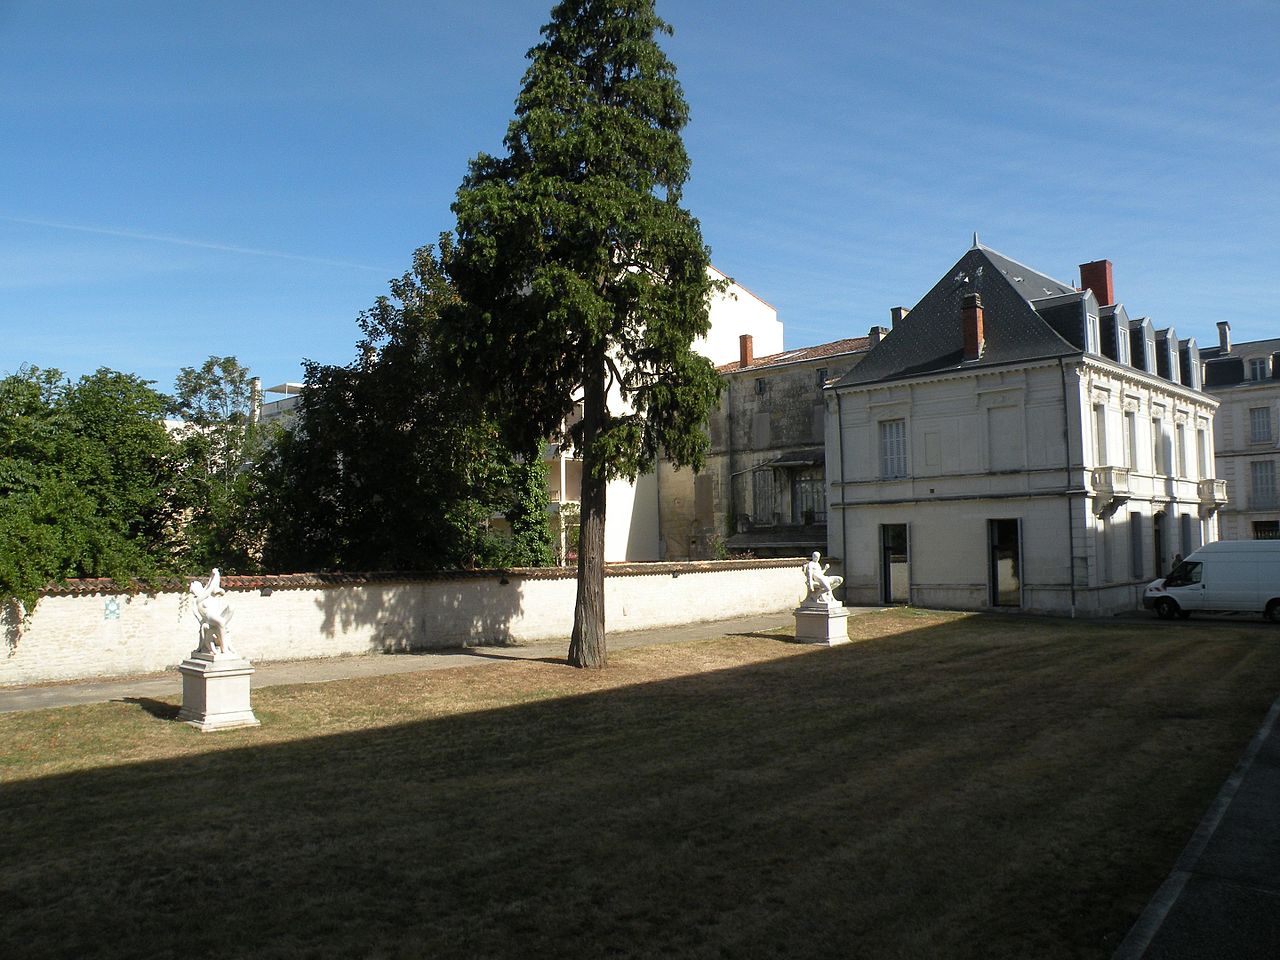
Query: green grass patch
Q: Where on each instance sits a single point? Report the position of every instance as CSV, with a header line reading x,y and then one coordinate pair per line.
x,y
952,786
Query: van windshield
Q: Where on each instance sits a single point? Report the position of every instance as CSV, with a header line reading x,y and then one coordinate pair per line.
x,y
1187,572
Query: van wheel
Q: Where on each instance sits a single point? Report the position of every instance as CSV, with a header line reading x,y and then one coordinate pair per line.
x,y
1273,611
1166,609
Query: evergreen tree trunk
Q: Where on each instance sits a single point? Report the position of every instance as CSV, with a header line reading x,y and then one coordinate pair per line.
x,y
587,647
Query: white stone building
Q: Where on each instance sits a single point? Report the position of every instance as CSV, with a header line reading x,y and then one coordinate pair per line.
x,y
1017,442
632,522
1245,378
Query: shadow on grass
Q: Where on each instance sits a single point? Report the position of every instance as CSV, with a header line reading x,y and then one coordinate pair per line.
x,y
957,791
765,635
156,708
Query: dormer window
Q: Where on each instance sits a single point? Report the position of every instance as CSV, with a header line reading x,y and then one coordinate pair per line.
x,y
1092,339
1258,369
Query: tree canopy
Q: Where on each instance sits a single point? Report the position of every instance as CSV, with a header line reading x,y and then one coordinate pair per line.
x,y
582,275
389,466
87,480
220,446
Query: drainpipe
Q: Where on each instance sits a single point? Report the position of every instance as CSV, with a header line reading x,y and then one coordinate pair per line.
x,y
844,514
1066,439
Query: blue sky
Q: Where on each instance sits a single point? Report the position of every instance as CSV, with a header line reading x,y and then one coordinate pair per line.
x,y
181,180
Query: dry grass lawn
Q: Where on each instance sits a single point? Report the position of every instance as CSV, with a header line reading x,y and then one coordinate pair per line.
x,y
952,786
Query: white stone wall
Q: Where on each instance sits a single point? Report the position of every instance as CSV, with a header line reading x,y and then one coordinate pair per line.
x,y
1235,450
989,444
110,634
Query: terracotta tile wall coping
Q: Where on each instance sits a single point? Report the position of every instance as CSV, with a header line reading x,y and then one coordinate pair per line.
x,y
312,581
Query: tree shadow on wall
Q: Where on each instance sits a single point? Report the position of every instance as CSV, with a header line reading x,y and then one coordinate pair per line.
x,y
11,627
425,614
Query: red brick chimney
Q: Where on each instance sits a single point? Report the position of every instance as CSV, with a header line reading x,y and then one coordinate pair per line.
x,y
744,350
971,320
1096,276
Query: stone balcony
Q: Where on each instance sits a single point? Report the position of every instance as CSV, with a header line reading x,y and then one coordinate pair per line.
x,y
1110,488
1213,496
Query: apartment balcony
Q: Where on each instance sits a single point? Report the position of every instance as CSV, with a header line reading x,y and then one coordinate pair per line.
x,y
1110,488
1213,496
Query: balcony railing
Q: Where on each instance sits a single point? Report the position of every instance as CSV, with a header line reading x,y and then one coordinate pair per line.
x,y
1213,496
1110,488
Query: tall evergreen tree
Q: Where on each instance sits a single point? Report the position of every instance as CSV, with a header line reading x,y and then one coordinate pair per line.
x,y
580,272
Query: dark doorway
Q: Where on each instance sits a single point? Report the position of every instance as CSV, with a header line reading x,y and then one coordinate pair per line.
x,y
895,564
1005,537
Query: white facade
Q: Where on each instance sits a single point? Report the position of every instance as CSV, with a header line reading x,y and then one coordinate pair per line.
x,y
1014,465
632,522
1065,454
1245,378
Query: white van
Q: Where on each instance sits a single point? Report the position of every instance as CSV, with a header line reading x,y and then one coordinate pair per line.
x,y
1225,576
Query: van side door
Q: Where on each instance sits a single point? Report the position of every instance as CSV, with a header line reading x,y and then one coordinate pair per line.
x,y
1185,585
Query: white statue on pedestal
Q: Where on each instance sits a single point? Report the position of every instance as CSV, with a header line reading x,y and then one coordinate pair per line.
x,y
820,585
213,612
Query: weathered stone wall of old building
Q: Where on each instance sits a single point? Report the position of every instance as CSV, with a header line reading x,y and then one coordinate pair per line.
x,y
765,413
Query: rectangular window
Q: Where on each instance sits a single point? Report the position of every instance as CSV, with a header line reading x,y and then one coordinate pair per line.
x,y
762,497
1131,439
820,377
1157,446
1100,434
1266,529
1091,334
1258,369
1262,476
1135,545
893,449
1202,453
808,499
1180,442
761,387
1184,534
1104,550
1259,424
1004,438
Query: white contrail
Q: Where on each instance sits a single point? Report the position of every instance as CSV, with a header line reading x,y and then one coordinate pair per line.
x,y
184,242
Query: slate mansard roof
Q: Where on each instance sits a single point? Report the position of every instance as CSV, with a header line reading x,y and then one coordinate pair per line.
x,y
1024,314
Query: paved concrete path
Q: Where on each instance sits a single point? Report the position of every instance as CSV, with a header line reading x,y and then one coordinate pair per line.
x,y
1222,899
169,684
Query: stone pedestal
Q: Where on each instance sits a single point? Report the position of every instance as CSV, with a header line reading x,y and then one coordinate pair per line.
x,y
215,691
821,623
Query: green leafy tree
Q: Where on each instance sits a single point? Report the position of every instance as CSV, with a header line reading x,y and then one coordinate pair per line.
x,y
531,543
87,478
389,466
220,443
581,272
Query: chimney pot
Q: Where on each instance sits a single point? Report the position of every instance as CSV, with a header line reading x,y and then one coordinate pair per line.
x,y
745,356
1224,336
896,314
971,321
876,334
1097,276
